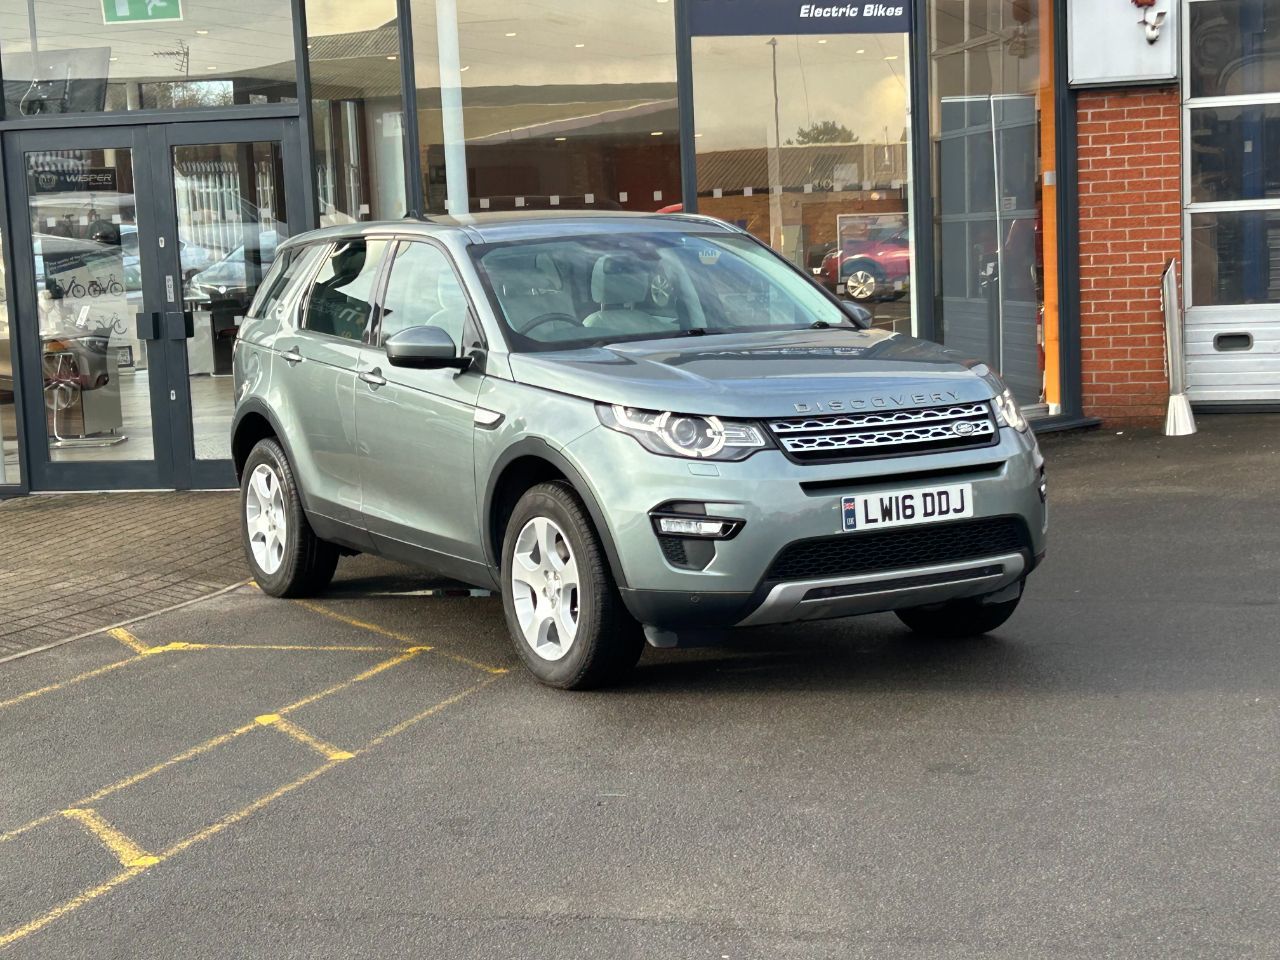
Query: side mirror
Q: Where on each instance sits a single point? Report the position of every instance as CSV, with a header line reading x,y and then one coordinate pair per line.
x,y
859,314
424,348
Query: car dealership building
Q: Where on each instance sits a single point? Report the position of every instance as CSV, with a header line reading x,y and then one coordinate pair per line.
x,y
1008,177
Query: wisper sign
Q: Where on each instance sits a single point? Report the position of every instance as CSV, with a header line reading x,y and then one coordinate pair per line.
x,y
744,18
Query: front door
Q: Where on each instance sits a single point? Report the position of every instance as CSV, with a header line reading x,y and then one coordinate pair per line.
x,y
137,250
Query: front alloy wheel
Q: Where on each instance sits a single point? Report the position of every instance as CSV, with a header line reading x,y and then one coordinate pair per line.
x,y
544,588
566,618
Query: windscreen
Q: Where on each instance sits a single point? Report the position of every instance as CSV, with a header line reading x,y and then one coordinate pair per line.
x,y
577,291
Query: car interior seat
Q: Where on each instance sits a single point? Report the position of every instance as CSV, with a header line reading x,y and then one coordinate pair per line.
x,y
617,285
531,287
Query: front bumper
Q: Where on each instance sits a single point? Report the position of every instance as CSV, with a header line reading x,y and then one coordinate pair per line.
x,y
783,502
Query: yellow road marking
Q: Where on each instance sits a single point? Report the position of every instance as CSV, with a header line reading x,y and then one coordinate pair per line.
x,y
322,747
128,639
431,711
126,851
394,635
323,647
75,903
93,893
79,678
215,741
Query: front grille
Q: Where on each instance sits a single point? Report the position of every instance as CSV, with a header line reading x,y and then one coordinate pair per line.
x,y
849,554
852,436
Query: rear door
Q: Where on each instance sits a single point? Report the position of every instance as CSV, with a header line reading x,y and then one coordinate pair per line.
x,y
416,426
315,367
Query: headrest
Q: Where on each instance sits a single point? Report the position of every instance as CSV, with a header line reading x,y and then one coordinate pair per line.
x,y
616,279
526,274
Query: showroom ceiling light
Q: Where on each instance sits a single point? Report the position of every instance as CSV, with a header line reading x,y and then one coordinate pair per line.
x,y
579,45
202,33
511,34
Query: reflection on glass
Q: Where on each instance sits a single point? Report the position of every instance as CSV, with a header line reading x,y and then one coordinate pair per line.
x,y
88,290
357,109
988,83
1234,47
558,104
9,466
231,214
819,174
1234,258
1235,153
211,53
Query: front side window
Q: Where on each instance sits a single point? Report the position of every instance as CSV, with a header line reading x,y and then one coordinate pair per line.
x,y
581,291
423,290
340,301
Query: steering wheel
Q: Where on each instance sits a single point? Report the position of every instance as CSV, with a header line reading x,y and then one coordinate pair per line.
x,y
555,316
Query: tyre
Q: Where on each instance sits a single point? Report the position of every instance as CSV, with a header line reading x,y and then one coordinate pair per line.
x,y
863,282
285,555
955,619
566,618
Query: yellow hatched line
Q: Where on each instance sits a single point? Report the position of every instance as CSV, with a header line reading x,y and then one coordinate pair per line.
x,y
93,893
128,639
213,742
126,851
322,747
61,684
394,635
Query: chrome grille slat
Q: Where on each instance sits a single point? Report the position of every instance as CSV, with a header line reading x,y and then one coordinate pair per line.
x,y
852,421
913,430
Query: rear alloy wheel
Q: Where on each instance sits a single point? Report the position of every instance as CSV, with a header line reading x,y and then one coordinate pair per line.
x,y
286,557
957,619
862,284
563,610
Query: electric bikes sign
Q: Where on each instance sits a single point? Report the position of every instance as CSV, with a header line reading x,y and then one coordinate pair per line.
x,y
744,18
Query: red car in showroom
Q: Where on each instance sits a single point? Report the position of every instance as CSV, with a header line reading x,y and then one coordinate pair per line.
x,y
875,268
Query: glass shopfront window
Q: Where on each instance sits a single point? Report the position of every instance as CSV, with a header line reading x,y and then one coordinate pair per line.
x,y
554,103
10,468
357,110
787,151
992,125
88,56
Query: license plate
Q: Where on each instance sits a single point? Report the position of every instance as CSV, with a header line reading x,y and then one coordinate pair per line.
x,y
905,508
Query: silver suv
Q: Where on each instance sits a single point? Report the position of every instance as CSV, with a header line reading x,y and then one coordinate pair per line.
x,y
634,427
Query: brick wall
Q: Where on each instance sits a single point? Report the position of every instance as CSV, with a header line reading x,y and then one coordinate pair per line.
x,y
1130,227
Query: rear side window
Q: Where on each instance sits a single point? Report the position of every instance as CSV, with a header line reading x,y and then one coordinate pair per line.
x,y
340,301
282,278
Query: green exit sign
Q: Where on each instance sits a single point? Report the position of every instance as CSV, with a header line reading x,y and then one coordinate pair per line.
x,y
140,11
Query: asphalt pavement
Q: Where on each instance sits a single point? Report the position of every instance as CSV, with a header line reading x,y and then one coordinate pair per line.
x,y
371,774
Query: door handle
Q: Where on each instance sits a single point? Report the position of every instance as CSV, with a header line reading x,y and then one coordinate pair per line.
x,y
179,325
374,378
148,326
291,356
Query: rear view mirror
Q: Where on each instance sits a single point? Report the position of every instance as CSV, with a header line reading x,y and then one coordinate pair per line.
x,y
424,348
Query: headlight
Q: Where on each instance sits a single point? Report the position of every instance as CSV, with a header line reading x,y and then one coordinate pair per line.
x,y
1007,412
685,435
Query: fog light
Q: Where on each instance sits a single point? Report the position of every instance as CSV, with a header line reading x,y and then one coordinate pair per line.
x,y
695,527
1044,487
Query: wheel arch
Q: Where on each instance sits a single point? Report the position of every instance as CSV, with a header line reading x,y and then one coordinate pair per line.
x,y
523,465
253,423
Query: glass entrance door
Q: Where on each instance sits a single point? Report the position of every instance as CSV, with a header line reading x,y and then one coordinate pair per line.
x,y
145,246
804,141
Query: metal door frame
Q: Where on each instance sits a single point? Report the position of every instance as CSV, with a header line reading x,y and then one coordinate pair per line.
x,y
173,465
